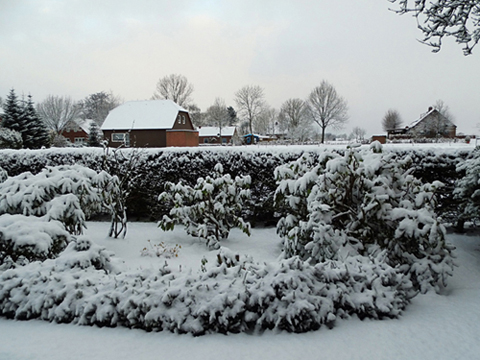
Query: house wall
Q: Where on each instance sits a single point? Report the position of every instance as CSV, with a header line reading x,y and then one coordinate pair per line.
x,y
214,140
71,135
154,138
182,138
381,138
183,121
138,138
432,126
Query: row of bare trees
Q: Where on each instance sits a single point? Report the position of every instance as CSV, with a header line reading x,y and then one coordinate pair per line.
x,y
296,117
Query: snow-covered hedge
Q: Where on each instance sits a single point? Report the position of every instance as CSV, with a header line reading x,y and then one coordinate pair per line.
x,y
157,166
82,286
467,190
360,203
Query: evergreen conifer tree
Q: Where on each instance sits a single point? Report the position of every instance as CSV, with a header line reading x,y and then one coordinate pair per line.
x,y
35,133
94,135
12,119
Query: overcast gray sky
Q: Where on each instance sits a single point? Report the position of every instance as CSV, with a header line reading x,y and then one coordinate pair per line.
x,y
370,54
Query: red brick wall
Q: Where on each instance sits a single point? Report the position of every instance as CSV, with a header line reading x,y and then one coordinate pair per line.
x,y
182,138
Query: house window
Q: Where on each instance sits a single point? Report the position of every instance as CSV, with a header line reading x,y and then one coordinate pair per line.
x,y
119,137
79,140
224,140
205,141
183,117
179,118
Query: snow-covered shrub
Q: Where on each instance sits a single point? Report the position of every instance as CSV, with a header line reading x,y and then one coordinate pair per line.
x,y
210,209
363,202
68,194
231,297
467,190
29,238
10,139
82,253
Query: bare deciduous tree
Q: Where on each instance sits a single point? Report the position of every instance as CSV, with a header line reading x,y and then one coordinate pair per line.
x,y
359,133
97,106
217,114
391,120
250,102
327,108
57,112
437,19
444,109
265,122
294,119
174,87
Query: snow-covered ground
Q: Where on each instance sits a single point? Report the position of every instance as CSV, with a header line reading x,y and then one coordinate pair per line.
x,y
433,326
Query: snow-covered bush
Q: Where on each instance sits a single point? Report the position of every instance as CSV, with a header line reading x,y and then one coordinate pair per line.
x,y
82,253
233,296
10,139
29,238
467,190
363,202
67,194
210,209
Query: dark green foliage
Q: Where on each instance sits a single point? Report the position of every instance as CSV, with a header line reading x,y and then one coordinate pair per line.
x,y
232,116
94,135
12,119
22,118
35,134
156,166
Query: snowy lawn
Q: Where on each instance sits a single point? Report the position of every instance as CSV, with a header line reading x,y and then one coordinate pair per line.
x,y
433,326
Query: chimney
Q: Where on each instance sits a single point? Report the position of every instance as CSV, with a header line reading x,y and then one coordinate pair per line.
x,y
430,108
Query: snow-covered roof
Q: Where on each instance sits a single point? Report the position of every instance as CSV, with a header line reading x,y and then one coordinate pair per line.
x,y
84,124
149,114
423,116
214,131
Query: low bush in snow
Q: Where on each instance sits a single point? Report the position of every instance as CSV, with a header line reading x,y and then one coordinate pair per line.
x,y
38,212
29,238
363,202
210,209
236,295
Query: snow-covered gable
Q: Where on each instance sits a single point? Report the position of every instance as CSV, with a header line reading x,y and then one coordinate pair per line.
x,y
84,124
143,115
431,111
215,131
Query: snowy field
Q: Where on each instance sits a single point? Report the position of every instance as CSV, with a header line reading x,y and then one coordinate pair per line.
x,y
433,326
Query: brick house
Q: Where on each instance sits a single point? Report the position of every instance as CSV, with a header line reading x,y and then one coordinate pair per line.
x,y
150,123
77,131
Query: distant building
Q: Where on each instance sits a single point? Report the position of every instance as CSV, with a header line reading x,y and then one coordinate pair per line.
x,y
381,138
215,135
152,123
77,131
432,124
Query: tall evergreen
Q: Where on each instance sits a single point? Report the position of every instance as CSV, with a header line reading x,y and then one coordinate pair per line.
x,y
94,135
232,116
12,119
35,133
